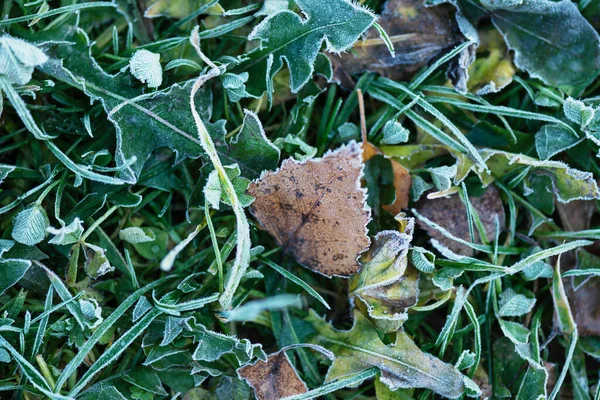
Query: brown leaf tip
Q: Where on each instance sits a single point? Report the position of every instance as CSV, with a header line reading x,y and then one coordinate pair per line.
x,y
316,210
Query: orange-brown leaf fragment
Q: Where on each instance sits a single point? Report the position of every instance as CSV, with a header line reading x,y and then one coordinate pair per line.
x,y
273,379
316,210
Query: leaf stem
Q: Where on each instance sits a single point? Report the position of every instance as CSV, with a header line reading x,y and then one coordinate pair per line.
x,y
242,256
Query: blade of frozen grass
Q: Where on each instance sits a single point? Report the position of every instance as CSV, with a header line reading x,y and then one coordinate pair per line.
x,y
215,244
65,295
225,28
477,335
500,110
421,122
296,280
472,97
242,256
103,328
60,10
336,385
44,317
386,39
30,372
167,263
471,150
474,246
114,351
177,309
589,234
540,255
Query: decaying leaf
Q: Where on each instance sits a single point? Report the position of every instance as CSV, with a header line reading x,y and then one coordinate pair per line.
x,y
273,379
386,285
402,365
316,210
450,213
418,34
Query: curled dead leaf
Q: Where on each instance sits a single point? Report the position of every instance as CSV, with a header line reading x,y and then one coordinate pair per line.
x,y
418,34
273,379
316,210
386,285
450,213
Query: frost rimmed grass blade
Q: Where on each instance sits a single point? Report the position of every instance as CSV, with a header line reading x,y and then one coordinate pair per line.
x,y
116,349
337,385
60,10
34,376
563,248
32,127
242,255
103,328
296,280
471,150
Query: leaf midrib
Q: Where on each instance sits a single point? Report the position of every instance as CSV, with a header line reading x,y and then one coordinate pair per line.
x,y
393,360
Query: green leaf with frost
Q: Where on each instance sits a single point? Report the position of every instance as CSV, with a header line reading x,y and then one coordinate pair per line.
x,y
235,86
423,259
394,133
91,311
285,35
135,235
301,150
18,59
30,225
213,345
252,147
566,183
553,139
402,365
145,66
576,111
214,191
551,40
11,269
513,304
68,234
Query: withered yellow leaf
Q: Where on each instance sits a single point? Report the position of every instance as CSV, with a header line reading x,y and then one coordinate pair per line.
x,y
273,379
316,210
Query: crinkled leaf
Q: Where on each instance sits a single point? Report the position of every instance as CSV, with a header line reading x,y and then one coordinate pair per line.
x,y
146,67
386,285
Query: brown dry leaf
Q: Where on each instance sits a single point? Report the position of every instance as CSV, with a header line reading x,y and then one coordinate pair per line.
x,y
316,210
418,33
274,379
450,213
